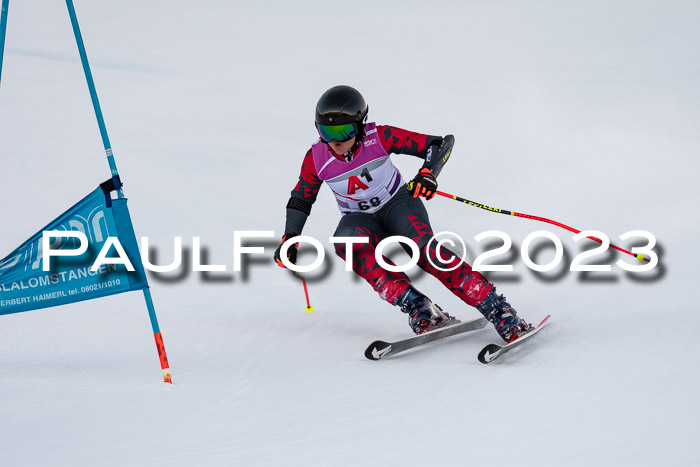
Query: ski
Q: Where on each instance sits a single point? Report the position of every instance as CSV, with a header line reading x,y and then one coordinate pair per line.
x,y
380,349
492,351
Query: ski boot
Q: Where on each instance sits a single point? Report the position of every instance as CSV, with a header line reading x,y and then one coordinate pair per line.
x,y
504,318
423,315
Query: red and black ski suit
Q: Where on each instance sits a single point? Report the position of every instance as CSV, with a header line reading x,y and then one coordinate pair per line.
x,y
402,215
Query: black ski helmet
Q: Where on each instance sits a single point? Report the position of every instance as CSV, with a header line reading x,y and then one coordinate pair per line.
x,y
340,105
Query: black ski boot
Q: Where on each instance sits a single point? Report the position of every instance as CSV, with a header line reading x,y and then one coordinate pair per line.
x,y
504,318
423,315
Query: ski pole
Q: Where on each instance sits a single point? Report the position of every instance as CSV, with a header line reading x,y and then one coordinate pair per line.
x,y
640,256
309,308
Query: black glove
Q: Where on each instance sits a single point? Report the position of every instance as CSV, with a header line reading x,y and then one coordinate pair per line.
x,y
291,251
424,184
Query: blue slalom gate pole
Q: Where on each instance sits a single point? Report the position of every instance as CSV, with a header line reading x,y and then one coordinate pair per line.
x,y
113,167
3,28
93,93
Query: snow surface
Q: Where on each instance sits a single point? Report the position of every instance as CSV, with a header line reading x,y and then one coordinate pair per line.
x,y
584,112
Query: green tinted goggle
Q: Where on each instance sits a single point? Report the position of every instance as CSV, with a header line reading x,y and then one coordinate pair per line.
x,y
340,133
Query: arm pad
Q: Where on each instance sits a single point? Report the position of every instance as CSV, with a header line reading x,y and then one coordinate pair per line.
x,y
298,211
436,156
299,205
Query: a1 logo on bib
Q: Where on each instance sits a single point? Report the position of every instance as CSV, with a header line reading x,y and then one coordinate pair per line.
x,y
354,182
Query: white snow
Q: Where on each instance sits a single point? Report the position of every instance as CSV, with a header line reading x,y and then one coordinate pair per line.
x,y
583,112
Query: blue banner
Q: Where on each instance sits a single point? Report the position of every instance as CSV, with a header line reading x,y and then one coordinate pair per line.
x,y
24,285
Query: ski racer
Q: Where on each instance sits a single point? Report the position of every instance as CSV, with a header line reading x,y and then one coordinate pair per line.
x,y
353,157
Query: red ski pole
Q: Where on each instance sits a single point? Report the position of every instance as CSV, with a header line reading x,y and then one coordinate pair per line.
x,y
309,308
640,256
